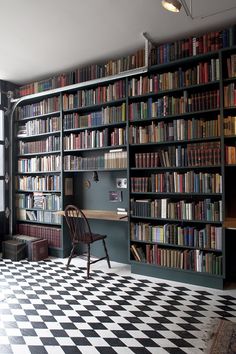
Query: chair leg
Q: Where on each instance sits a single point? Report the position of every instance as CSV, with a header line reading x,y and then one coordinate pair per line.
x,y
105,248
71,255
88,262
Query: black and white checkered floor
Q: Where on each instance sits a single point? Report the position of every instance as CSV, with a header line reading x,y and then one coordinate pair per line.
x,y
46,309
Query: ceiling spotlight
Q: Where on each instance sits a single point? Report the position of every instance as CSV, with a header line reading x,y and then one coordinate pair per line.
x,y
171,5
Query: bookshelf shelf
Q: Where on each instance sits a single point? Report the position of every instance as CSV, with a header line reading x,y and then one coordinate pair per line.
x,y
183,61
177,142
177,220
231,79
176,116
95,107
40,153
178,246
176,168
33,137
229,108
97,169
178,194
38,209
39,173
226,137
38,191
185,271
94,127
176,90
39,222
113,147
39,116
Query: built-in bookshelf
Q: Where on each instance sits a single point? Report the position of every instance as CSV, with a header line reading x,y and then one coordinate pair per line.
x,y
95,123
176,166
170,131
59,138
38,179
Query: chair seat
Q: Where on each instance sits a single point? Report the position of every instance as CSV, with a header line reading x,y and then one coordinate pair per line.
x,y
98,237
87,240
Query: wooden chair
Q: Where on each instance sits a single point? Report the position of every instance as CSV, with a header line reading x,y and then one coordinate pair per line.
x,y
80,232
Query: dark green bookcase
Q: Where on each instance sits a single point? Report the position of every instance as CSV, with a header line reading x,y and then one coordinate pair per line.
x,y
77,184
210,162
179,107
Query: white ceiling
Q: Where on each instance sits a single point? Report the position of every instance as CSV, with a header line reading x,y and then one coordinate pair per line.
x,y
42,37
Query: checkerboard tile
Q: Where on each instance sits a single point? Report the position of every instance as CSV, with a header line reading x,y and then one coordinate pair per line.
x,y
46,309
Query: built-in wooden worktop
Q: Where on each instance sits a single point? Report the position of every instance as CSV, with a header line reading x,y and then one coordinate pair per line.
x,y
100,214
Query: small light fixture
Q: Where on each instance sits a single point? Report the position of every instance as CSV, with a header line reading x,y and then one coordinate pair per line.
x,y
95,176
171,5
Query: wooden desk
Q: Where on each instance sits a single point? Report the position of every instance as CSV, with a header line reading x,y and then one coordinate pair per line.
x,y
100,214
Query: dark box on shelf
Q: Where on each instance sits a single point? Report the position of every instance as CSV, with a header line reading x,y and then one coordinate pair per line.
x,y
39,250
14,250
27,240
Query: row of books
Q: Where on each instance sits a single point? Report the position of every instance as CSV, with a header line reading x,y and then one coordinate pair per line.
x,y
91,72
230,95
208,237
43,216
99,95
230,155
38,183
174,182
230,125
231,66
52,234
201,73
193,260
198,154
192,46
39,126
40,164
38,200
160,54
107,115
52,143
95,138
115,159
165,208
46,106
171,105
176,130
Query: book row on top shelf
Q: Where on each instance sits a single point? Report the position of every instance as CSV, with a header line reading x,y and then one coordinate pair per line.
x,y
193,46
92,72
160,54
